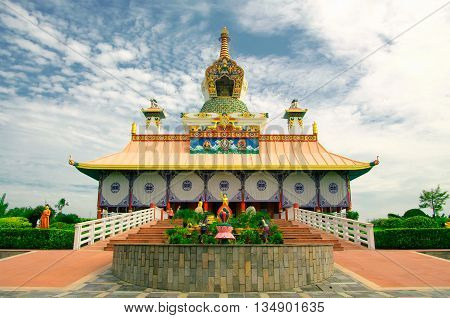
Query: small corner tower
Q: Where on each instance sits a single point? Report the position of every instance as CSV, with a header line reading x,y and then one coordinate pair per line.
x,y
153,115
294,116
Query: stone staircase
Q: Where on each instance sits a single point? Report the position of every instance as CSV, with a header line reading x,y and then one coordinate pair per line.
x,y
149,233
299,233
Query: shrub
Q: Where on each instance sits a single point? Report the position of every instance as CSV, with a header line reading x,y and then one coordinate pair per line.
x,y
14,222
67,218
354,215
414,212
62,226
419,222
188,216
29,238
249,237
240,221
255,219
441,220
438,238
276,238
212,228
32,214
392,215
392,223
207,239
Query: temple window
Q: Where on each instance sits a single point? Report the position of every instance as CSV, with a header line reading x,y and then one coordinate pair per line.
x,y
224,86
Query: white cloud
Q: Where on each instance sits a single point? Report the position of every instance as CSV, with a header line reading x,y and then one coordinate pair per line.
x,y
398,107
393,105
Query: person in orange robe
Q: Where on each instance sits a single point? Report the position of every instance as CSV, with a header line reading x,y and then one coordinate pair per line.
x,y
45,218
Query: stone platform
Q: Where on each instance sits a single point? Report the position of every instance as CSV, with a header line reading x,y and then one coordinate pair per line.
x,y
223,268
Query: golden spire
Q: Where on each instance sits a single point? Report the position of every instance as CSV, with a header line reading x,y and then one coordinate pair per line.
x,y
224,39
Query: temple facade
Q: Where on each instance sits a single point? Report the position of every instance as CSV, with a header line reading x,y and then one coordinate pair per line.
x,y
223,150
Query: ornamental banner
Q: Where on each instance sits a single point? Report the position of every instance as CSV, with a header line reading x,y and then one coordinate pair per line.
x,y
224,145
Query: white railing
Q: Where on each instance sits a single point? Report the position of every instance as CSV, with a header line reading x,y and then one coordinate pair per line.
x,y
347,229
87,233
106,214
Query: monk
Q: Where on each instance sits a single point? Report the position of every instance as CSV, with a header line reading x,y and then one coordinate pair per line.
x,y
45,218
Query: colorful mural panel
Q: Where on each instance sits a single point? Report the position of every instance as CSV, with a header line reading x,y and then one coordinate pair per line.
x,y
224,145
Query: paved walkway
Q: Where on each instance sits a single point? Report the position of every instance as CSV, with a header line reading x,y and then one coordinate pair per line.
x,y
400,269
86,273
105,285
51,269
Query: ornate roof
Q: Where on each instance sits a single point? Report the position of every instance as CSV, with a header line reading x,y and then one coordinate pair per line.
x,y
172,152
222,105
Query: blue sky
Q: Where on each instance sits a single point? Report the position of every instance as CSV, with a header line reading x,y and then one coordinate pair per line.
x,y
54,103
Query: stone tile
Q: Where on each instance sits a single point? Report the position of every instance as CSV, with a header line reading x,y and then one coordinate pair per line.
x,y
86,294
196,295
97,287
131,288
123,295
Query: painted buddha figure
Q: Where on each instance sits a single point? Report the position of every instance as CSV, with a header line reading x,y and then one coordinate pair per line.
x,y
224,209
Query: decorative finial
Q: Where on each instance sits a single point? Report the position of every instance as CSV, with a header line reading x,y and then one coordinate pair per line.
x,y
224,39
377,161
315,130
71,162
294,103
133,128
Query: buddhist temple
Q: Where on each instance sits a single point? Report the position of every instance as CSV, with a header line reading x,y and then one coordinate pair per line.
x,y
223,150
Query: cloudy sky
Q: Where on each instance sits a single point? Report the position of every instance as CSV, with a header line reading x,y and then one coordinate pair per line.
x,y
73,76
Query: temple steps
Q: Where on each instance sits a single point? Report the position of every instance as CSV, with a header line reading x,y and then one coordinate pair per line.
x,y
299,233
149,233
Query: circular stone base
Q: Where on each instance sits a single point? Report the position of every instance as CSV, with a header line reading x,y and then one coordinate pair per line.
x,y
224,269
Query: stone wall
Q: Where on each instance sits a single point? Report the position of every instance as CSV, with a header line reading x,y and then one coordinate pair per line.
x,y
223,268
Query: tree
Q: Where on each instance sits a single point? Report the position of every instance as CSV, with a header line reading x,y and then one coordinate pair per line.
x,y
3,205
61,204
433,199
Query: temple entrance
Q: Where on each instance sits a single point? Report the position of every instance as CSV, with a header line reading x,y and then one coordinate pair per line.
x,y
269,207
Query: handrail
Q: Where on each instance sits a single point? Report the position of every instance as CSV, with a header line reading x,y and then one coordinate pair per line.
x,y
87,233
350,230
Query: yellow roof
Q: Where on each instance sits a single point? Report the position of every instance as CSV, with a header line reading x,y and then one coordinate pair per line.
x,y
175,155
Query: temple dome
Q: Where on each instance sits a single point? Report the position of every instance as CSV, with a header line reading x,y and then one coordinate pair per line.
x,y
224,105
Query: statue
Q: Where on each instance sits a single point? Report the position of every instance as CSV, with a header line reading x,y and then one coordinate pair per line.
x,y
224,215
225,207
251,209
170,212
224,199
224,230
266,229
199,208
45,218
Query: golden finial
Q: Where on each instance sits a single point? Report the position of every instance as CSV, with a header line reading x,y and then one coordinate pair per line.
x,y
377,161
224,39
315,130
71,162
133,128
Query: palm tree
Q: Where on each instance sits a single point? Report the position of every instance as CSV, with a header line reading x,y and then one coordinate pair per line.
x,y
3,205
61,204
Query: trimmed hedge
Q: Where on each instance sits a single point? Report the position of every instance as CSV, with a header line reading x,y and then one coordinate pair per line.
x,y
29,238
415,222
438,238
14,223
414,212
